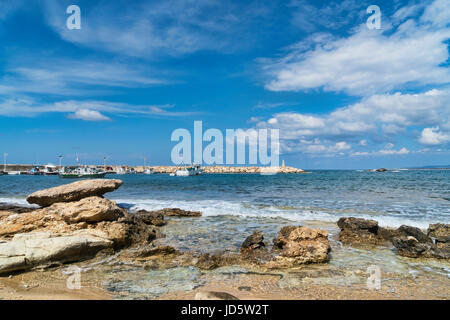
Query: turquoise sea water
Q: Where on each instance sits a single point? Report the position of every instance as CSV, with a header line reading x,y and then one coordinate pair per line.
x,y
414,197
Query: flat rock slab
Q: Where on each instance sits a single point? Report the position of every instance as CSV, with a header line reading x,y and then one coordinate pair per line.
x,y
74,191
26,251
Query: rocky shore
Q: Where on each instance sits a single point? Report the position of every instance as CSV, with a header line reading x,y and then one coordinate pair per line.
x,y
74,223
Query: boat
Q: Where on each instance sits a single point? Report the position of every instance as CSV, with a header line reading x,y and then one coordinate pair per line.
x,y
3,173
193,170
120,171
82,172
50,170
36,171
131,171
14,173
148,171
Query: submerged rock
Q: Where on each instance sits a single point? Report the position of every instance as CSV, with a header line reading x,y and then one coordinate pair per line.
x,y
26,251
74,191
214,295
302,245
14,208
147,217
253,244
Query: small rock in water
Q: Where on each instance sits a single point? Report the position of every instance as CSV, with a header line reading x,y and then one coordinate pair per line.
x,y
253,242
213,295
177,212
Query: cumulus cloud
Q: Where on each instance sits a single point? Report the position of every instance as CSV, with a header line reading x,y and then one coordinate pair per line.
x,y
88,115
368,61
433,136
370,116
366,120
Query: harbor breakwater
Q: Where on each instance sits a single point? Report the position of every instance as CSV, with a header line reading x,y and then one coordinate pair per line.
x,y
166,169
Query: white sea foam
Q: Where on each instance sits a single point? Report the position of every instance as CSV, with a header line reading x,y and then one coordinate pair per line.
x,y
15,201
212,208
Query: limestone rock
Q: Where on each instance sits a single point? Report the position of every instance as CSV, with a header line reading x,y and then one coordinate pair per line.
x,y
407,231
27,222
91,209
362,231
74,191
280,241
413,243
26,251
252,243
208,262
177,212
302,245
439,231
148,217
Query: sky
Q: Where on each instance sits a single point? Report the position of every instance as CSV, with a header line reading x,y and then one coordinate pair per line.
x,y
343,95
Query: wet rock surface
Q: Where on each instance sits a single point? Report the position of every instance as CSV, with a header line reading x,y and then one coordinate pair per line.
x,y
414,243
362,231
14,208
177,212
440,232
214,295
302,245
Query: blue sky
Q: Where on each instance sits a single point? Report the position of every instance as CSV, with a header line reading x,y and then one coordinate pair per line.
x,y
343,96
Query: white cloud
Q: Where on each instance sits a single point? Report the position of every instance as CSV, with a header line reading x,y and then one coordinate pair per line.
x,y
437,13
366,120
90,110
389,146
390,151
384,152
88,115
370,117
368,61
432,136
154,28
69,77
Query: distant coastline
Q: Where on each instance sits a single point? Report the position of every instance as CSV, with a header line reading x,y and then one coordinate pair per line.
x,y
169,169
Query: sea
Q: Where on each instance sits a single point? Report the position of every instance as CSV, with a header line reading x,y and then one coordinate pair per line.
x,y
235,205
413,197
